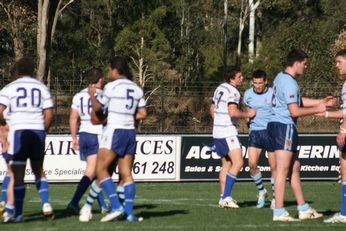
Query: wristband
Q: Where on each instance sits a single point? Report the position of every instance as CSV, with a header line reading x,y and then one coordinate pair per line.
x,y
326,114
344,113
342,130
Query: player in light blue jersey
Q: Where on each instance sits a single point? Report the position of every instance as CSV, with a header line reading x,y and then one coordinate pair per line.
x,y
126,103
340,59
31,113
224,111
287,106
88,142
259,97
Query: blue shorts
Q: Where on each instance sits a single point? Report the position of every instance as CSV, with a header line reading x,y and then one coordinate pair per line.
x,y
225,145
121,141
88,145
283,136
28,144
260,139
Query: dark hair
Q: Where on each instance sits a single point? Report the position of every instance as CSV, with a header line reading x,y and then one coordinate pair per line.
x,y
341,52
295,55
23,67
94,75
259,74
231,72
121,65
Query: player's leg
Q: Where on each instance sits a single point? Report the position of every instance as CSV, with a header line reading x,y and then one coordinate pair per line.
x,y
104,158
304,210
225,167
256,175
341,216
271,161
19,189
4,187
9,207
125,169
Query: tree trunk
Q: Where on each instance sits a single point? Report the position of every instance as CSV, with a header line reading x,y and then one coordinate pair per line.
x,y
242,19
251,48
42,21
225,52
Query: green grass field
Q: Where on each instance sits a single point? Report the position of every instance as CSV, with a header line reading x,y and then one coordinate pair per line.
x,y
184,206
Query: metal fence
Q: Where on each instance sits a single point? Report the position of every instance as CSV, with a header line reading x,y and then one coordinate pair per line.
x,y
174,107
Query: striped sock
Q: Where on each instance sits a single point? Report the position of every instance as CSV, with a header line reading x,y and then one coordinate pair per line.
x,y
230,180
94,191
121,196
42,188
272,182
258,181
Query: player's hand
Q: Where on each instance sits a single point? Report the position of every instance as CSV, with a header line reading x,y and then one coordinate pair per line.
x,y
251,112
340,139
75,144
329,101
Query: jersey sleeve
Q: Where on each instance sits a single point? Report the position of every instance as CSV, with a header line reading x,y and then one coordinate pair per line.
x,y
47,100
141,101
75,104
291,93
4,98
233,97
105,96
246,99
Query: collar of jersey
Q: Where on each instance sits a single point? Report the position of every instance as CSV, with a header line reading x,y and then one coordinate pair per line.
x,y
288,74
265,90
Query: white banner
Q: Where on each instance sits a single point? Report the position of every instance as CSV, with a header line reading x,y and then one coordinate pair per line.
x,y
156,159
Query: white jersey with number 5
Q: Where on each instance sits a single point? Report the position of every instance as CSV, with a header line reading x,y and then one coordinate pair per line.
x,y
82,103
123,97
224,95
26,99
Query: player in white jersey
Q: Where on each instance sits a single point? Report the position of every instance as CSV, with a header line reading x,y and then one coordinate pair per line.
x,y
287,106
259,97
126,104
88,142
224,111
340,59
31,113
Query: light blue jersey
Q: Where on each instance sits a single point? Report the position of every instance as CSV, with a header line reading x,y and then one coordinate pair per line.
x,y
263,104
285,91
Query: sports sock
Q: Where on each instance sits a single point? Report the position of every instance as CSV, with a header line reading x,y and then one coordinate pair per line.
x,y
42,188
278,211
272,182
19,194
108,187
82,186
258,181
230,180
9,209
94,191
4,186
343,198
121,196
101,201
303,207
130,193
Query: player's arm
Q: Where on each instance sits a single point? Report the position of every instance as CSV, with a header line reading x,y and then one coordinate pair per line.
x,y
234,111
141,113
212,110
340,138
95,104
329,101
48,118
73,121
2,118
98,118
3,137
297,111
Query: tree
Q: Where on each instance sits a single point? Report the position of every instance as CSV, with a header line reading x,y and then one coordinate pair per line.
x,y
252,8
